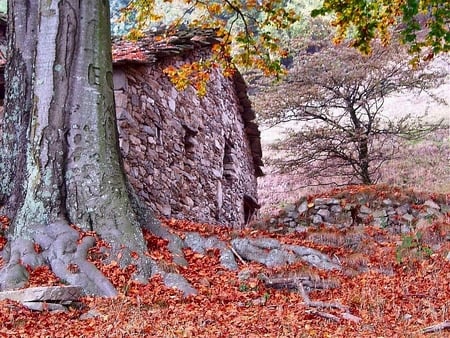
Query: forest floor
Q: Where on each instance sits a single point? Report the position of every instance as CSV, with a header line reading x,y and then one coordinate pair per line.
x,y
389,287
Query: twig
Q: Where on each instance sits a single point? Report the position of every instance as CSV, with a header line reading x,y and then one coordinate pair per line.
x,y
311,303
349,316
438,327
292,282
297,283
325,315
237,255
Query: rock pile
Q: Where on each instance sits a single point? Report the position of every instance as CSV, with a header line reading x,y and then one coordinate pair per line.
x,y
400,216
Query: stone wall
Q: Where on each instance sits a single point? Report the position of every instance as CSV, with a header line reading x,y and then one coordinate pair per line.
x,y
188,157
400,216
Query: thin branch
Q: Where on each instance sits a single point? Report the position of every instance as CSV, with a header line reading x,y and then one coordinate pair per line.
x,y
438,327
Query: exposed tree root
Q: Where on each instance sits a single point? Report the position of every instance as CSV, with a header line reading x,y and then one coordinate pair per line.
x,y
438,327
60,246
299,284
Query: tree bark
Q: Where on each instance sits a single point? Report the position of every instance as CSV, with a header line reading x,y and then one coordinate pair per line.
x,y
60,153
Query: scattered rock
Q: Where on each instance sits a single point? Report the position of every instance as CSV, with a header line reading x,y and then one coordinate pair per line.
x,y
244,274
45,298
200,244
13,276
177,281
326,201
432,204
303,207
365,210
44,294
93,313
43,306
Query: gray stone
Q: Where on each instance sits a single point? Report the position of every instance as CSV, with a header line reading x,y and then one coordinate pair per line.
x,y
248,251
93,313
381,222
244,274
403,209
320,263
408,217
292,214
379,213
313,257
42,306
302,250
405,229
336,209
213,242
195,242
289,207
227,260
365,210
44,294
286,220
445,208
317,219
324,213
177,281
390,211
433,212
148,130
326,201
432,204
303,207
301,228
13,276
387,202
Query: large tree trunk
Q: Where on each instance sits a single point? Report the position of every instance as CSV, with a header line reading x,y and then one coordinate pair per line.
x,y
59,155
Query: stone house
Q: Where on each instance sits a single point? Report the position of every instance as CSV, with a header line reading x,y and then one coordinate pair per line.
x,y
188,157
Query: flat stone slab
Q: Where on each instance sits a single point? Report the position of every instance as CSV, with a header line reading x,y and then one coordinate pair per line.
x,y
42,306
43,294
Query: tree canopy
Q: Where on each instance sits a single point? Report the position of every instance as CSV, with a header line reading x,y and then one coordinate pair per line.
x,y
423,24
252,31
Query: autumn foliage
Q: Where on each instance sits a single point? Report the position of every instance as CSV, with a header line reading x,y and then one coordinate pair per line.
x,y
392,299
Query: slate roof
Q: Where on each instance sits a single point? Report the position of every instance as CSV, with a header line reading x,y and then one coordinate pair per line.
x,y
157,46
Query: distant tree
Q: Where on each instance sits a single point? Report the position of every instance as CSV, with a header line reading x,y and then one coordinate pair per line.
x,y
335,96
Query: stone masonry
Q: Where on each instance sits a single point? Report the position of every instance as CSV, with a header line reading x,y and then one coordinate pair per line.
x,y
188,157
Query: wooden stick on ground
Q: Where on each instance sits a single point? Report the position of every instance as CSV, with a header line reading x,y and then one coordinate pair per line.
x,y
438,327
237,255
297,284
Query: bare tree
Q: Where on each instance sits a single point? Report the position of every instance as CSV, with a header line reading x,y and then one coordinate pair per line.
x,y
333,98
